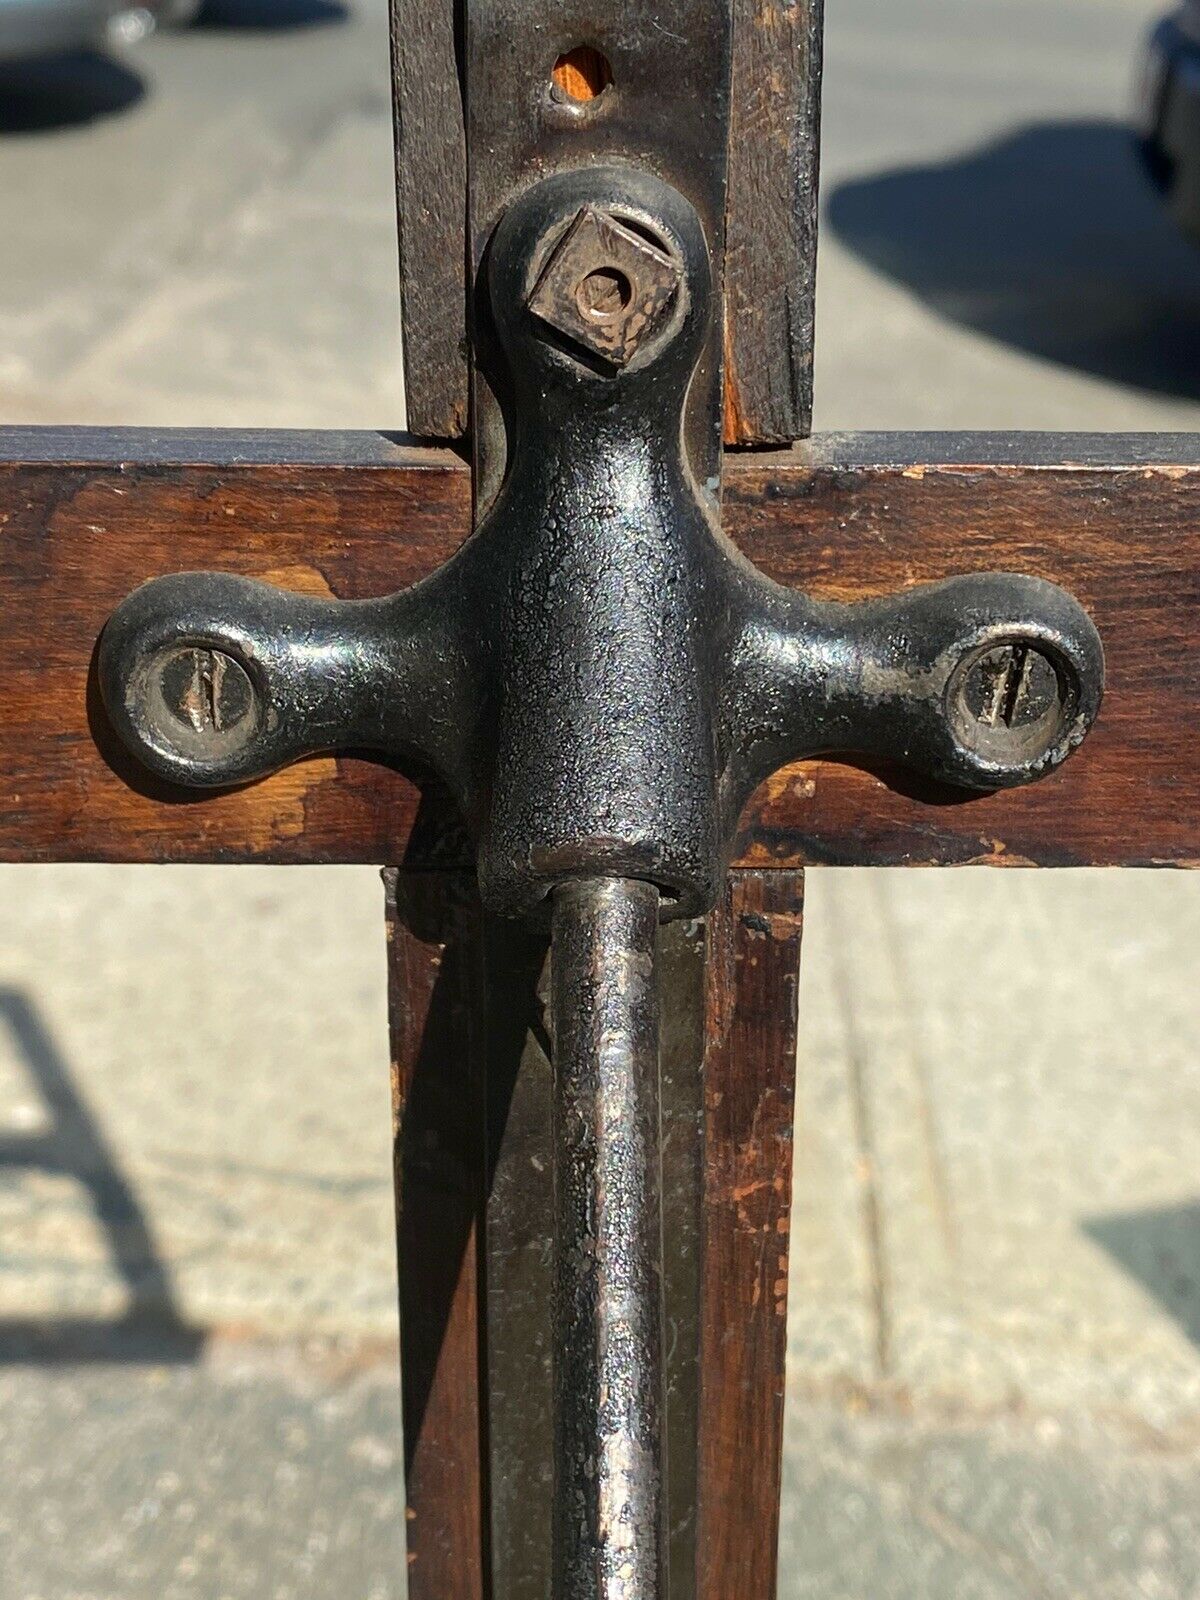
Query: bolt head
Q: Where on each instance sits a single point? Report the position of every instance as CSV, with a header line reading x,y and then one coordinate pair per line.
x,y
1012,686
206,690
606,288
198,702
1009,702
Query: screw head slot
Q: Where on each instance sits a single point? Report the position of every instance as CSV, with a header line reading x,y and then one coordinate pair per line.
x,y
1010,701
206,690
1012,686
196,701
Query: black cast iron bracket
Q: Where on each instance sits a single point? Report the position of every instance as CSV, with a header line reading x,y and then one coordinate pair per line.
x,y
598,675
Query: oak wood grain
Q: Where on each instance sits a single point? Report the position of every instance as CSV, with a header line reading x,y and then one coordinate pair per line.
x,y
1115,520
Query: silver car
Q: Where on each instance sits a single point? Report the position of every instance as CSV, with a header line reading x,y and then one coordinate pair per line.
x,y
39,28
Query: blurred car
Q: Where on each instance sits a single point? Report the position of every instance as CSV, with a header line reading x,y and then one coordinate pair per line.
x,y
35,29
1168,113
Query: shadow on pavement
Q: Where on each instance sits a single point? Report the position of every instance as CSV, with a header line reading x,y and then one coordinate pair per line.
x,y
269,16
64,92
1161,1249
1050,239
74,1146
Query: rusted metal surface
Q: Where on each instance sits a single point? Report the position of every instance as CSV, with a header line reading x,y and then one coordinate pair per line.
x,y
518,1331
609,1535
605,288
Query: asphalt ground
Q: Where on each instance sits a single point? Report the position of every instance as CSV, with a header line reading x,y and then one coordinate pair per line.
x,y
994,1385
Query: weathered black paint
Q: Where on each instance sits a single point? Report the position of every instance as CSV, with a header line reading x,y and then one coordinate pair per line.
x,y
666,115
598,675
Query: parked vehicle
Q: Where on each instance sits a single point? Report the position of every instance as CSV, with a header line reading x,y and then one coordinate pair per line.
x,y
1168,113
34,29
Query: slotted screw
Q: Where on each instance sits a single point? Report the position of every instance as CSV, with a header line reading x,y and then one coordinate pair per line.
x,y
206,690
1012,686
198,702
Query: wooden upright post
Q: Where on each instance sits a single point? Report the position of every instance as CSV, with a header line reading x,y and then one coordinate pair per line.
x,y
471,1068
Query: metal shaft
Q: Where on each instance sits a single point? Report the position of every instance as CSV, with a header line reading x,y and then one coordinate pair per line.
x,y
609,1541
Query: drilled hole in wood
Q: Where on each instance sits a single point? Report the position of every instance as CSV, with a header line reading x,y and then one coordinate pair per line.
x,y
582,74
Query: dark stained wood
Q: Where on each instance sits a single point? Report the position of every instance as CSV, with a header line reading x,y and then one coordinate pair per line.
x,y
771,220
517,1326
431,199
475,1322
1115,520
749,1091
771,216
433,929
668,103
473,1207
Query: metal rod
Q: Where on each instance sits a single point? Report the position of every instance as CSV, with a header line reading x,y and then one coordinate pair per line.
x,y
609,1541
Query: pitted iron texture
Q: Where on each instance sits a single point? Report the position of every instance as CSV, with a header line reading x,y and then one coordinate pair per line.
x,y
598,675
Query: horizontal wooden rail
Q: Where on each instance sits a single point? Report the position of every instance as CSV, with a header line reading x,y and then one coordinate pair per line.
x,y
86,515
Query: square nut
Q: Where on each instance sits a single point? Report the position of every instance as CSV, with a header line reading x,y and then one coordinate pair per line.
x,y
606,288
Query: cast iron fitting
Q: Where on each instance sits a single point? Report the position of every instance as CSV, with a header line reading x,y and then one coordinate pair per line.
x,y
598,675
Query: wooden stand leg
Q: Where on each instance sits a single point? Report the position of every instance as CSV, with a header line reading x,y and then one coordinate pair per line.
x,y
472,1083
433,928
750,1073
